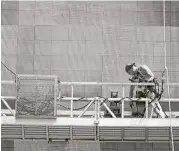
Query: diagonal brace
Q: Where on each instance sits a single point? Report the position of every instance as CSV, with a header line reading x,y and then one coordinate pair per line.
x,y
7,105
86,108
109,110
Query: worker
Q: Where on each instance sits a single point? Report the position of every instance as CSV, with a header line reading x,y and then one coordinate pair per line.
x,y
143,74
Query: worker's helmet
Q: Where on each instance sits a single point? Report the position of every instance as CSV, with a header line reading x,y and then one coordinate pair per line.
x,y
129,66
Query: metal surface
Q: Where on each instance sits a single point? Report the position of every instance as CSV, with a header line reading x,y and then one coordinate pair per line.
x,y
110,133
7,105
97,83
12,98
59,132
83,132
64,113
11,131
121,122
87,113
71,102
86,108
89,131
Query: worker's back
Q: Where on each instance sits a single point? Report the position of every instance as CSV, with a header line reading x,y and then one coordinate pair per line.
x,y
144,73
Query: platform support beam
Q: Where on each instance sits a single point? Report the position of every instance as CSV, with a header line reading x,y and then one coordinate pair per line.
x,y
86,108
7,105
71,108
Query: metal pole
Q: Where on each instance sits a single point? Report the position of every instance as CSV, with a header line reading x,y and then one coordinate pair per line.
x,y
7,105
12,98
98,83
71,113
122,105
99,108
95,109
86,108
147,109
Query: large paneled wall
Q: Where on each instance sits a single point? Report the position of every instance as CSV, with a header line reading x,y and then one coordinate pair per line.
x,y
85,146
88,41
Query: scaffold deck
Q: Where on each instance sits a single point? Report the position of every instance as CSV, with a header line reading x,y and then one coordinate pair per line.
x,y
85,129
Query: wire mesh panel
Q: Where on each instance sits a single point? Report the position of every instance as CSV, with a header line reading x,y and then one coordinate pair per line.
x,y
36,96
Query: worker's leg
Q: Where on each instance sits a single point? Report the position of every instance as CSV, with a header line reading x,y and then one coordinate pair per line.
x,y
151,111
140,106
158,109
150,96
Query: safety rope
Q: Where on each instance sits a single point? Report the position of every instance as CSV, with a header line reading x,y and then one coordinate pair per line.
x,y
167,77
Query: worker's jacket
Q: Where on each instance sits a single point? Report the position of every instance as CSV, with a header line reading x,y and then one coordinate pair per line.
x,y
143,74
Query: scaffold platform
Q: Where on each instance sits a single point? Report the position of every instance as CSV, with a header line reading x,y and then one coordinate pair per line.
x,y
88,125
62,129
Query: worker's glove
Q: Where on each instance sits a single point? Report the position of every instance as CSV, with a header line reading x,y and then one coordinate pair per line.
x,y
155,80
134,79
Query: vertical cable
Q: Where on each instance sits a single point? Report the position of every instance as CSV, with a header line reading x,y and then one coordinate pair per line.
x,y
166,69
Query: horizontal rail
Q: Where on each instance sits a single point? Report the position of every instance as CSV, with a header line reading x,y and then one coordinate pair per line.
x,y
123,122
87,113
125,99
72,99
98,83
63,112
7,82
110,99
8,97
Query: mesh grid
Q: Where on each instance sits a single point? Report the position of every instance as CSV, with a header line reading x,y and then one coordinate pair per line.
x,y
36,95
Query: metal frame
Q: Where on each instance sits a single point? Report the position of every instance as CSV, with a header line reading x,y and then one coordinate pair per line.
x,y
95,100
77,128
85,129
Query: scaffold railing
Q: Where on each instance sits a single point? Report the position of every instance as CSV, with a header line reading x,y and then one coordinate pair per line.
x,y
97,101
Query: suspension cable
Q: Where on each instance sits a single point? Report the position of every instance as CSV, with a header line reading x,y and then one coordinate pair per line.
x,y
167,73
8,69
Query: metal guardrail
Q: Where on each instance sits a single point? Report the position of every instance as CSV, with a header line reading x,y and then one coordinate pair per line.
x,y
97,100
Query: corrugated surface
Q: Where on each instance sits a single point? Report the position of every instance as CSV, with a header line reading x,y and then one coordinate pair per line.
x,y
83,132
88,133
34,132
134,133
59,132
110,133
176,133
158,133
11,131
